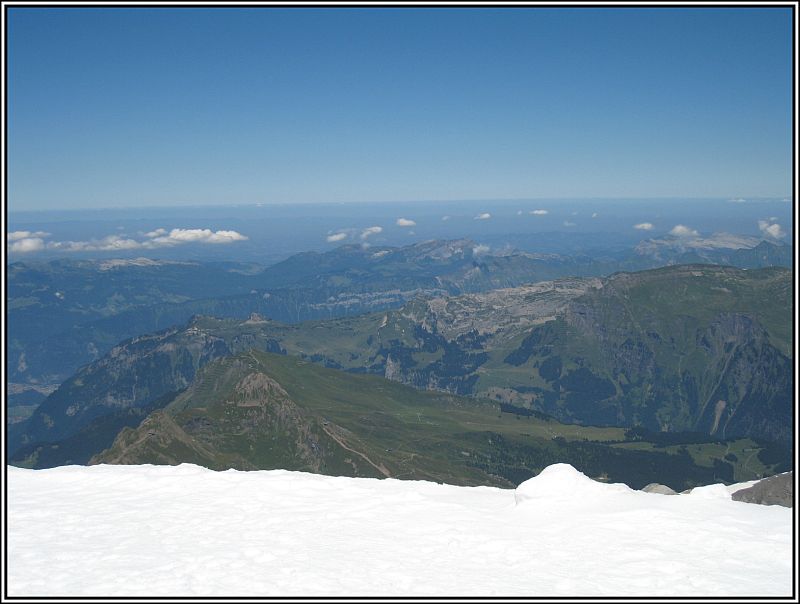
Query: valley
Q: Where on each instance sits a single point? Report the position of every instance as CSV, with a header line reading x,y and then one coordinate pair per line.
x,y
634,349
261,410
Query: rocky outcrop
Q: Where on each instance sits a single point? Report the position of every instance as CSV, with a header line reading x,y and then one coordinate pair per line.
x,y
775,490
660,489
131,375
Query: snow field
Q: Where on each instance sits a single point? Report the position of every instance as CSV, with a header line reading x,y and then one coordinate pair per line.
x,y
185,530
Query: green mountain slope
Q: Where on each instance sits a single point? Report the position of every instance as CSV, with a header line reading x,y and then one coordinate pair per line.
x,y
674,349
261,410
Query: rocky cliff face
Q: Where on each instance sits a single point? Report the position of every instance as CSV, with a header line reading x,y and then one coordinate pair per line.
x,y
750,382
132,374
680,349
732,382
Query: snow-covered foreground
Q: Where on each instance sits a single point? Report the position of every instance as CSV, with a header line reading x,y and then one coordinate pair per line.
x,y
185,530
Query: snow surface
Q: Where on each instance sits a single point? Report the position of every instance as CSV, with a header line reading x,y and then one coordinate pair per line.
x,y
185,530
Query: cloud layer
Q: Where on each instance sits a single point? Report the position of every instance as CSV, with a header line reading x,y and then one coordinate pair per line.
x,y
178,236
27,244
17,235
25,241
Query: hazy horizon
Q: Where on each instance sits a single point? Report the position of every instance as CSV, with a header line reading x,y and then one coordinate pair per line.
x,y
506,200
269,233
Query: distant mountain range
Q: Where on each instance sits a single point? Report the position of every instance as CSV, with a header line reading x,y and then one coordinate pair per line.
x,y
65,314
688,348
720,248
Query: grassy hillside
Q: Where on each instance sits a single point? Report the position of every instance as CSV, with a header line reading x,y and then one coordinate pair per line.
x,y
262,410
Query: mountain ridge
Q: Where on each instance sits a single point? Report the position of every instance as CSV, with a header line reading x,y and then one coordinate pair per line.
x,y
258,410
69,313
577,362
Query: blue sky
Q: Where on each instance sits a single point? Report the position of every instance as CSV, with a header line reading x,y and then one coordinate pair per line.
x,y
121,107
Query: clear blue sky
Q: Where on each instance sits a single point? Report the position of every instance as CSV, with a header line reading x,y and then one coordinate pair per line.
x,y
117,107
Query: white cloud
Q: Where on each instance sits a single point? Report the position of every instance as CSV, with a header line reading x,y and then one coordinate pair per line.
x,y
154,239
737,200
17,235
680,230
775,231
27,244
484,216
445,218
519,212
110,243
771,229
405,222
644,226
594,215
373,230
567,223
178,236
538,212
336,237
480,249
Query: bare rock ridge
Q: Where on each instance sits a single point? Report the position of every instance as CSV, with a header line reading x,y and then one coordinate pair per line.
x,y
661,489
775,490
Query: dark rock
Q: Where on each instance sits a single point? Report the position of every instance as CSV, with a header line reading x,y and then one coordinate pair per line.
x,y
775,490
661,489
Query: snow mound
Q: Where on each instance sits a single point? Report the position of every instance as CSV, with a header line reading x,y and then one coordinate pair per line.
x,y
711,491
733,488
562,481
